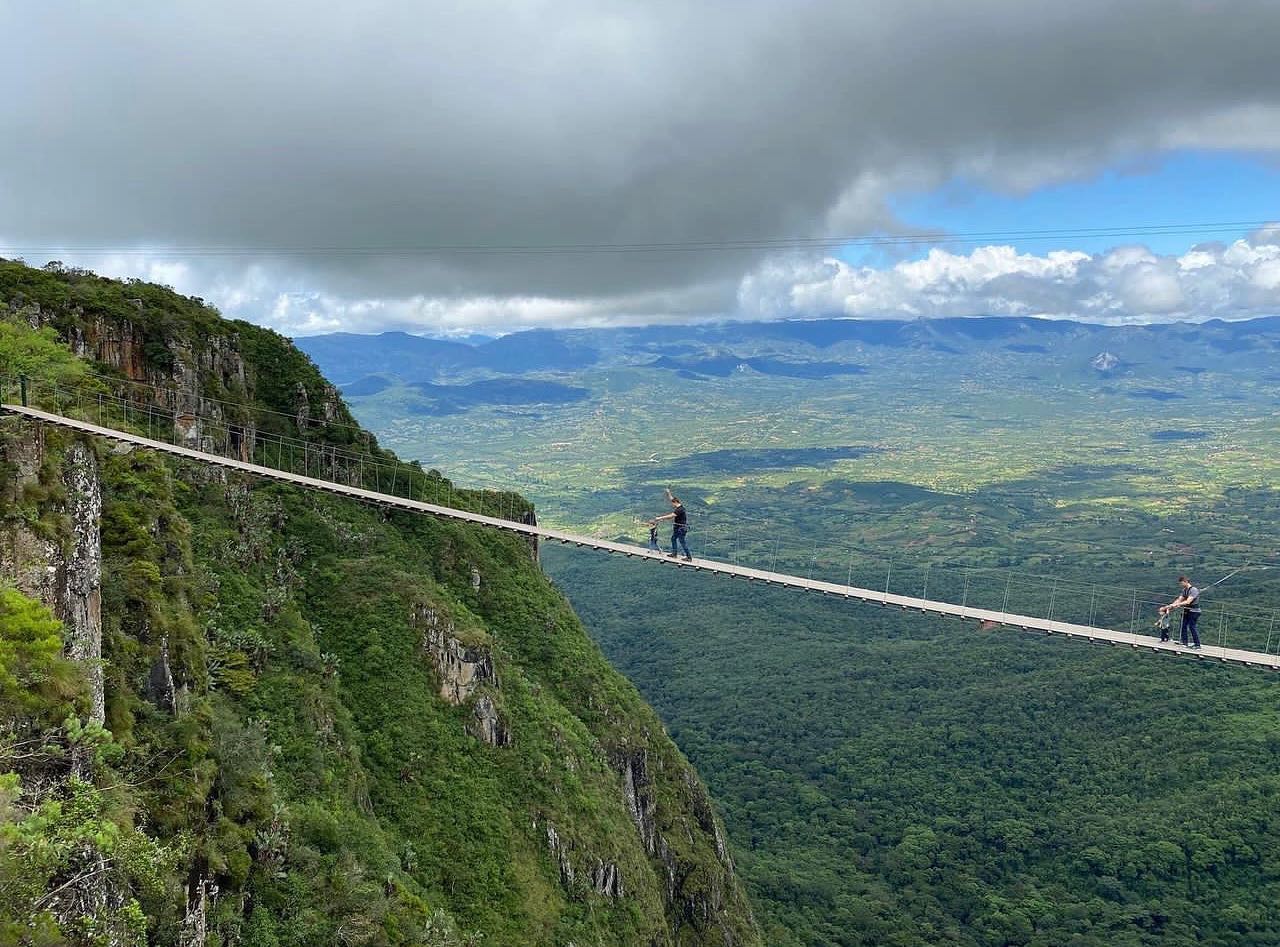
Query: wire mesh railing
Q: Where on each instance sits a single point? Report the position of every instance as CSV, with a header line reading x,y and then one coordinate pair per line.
x,y
236,435
232,430
1113,606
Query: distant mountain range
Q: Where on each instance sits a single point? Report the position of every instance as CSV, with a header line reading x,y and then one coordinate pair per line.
x,y
415,358
798,349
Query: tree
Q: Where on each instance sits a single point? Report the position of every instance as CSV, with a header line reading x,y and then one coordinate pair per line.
x,y
36,353
37,684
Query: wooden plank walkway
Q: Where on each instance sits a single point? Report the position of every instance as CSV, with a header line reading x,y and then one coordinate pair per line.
x,y
905,602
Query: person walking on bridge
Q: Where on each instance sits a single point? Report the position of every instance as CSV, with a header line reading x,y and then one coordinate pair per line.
x,y
1189,602
679,517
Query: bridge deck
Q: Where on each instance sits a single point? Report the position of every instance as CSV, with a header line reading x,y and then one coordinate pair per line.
x,y
906,602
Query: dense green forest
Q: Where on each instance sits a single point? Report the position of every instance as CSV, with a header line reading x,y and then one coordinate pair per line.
x,y
310,722
892,779
896,780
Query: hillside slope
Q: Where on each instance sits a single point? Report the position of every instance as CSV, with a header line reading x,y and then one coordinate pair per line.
x,y
292,719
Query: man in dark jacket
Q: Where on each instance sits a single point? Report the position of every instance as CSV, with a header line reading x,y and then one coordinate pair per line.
x,y
679,525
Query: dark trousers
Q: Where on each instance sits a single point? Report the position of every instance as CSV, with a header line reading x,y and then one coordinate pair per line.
x,y
677,535
1189,620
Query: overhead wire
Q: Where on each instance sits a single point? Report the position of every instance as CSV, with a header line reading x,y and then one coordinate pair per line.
x,y
832,241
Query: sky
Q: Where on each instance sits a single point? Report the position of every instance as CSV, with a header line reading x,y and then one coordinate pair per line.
x,y
304,165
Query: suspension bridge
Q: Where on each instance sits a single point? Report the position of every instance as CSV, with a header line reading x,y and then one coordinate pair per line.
x,y
243,445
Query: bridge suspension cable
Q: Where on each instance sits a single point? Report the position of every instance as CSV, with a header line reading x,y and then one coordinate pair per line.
x,y
140,394
993,597
237,423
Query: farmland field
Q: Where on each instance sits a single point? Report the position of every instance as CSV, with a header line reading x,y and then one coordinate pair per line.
x,y
959,453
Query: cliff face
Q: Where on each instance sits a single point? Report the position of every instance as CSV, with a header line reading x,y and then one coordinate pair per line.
x,y
62,570
355,726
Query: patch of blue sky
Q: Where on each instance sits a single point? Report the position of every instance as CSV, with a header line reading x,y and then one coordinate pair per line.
x,y
1190,187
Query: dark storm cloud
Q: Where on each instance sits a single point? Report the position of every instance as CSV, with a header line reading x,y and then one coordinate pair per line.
x,y
395,124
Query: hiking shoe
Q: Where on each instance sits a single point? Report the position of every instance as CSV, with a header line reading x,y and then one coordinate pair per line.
x,y
688,558
1195,647
672,555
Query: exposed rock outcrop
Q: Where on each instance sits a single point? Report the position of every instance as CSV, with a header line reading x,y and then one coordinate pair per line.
x,y
67,577
171,363
461,669
81,584
530,518
160,687
120,344
606,880
195,925
704,905
303,401
170,373
330,405
637,791
600,877
488,725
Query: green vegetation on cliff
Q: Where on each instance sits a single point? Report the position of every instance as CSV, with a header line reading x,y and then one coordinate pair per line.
x,y
321,722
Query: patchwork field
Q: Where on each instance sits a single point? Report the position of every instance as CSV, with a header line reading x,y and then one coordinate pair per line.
x,y
957,452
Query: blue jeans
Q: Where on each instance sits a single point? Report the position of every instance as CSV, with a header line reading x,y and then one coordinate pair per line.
x,y
677,534
1189,620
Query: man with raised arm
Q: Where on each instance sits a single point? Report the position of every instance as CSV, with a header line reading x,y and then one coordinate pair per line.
x,y
1189,602
679,525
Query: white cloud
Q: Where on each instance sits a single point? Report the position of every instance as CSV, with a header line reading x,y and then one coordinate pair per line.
x,y
312,313
1127,284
